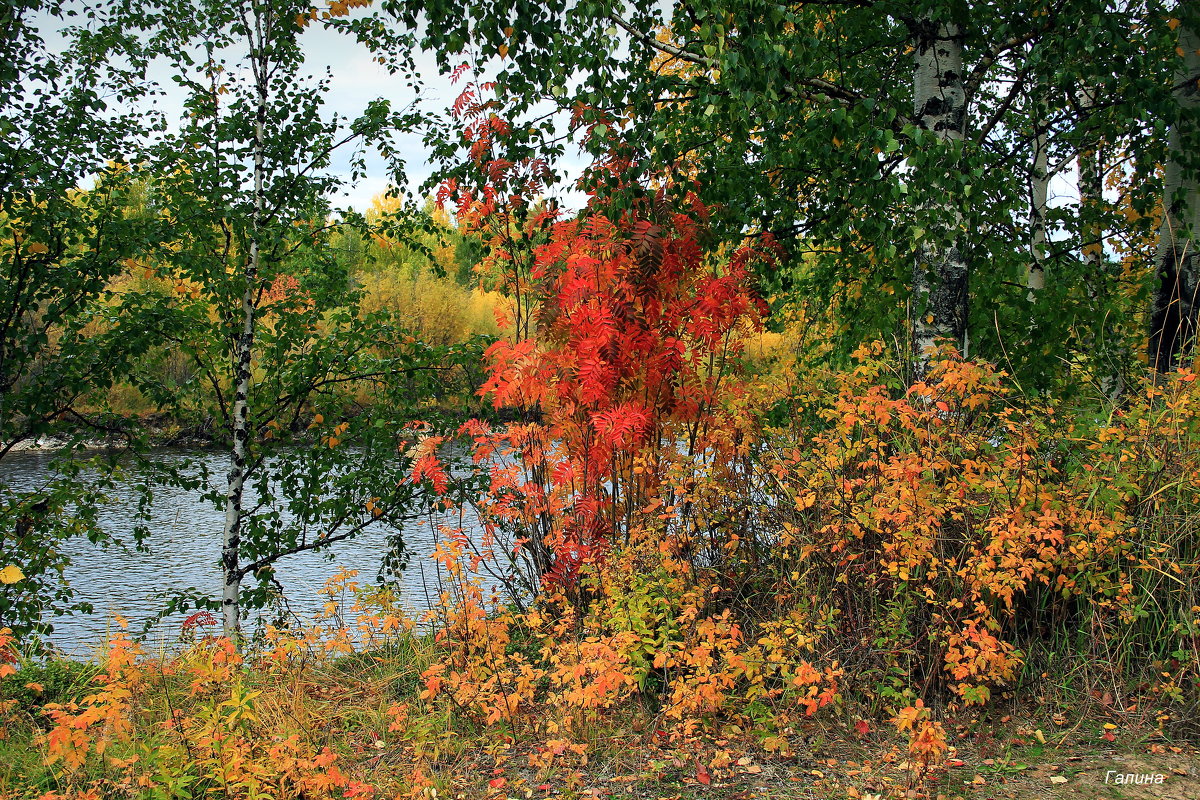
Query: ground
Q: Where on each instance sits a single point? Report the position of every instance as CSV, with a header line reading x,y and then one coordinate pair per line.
x,y
869,770
1081,775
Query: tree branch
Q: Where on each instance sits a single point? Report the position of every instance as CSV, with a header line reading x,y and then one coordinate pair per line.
x,y
817,89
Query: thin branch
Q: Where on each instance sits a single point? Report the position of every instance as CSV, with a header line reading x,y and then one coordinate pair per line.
x,y
817,89
979,72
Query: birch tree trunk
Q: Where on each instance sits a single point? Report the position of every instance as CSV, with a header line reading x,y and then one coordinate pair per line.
x,y
243,350
939,305
1039,186
1174,306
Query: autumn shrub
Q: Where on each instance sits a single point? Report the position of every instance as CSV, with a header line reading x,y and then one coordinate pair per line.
x,y
953,537
936,542
1145,459
733,545
601,508
289,719
36,683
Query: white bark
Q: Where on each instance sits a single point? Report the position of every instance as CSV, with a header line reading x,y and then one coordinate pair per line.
x,y
243,352
939,296
1173,311
1039,185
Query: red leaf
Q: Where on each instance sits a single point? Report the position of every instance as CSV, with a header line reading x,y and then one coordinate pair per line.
x,y
862,727
428,467
702,774
496,783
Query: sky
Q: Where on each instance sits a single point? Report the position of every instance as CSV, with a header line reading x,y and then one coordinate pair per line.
x,y
356,80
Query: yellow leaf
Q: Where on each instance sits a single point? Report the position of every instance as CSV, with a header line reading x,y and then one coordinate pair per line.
x,y
11,574
37,248
504,51
1172,23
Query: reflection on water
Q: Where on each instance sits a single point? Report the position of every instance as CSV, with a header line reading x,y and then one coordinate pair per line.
x,y
185,536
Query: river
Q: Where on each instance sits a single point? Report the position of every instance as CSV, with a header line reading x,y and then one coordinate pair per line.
x,y
184,552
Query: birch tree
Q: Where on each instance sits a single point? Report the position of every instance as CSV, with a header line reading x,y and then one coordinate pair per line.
x,y
258,27
277,338
1039,190
940,277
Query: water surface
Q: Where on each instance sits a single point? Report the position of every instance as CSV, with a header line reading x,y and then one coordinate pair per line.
x,y
185,543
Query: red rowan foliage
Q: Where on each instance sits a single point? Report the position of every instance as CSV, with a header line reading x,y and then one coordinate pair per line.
x,y
635,329
625,331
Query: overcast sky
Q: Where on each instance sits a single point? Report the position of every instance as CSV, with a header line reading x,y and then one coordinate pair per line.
x,y
356,81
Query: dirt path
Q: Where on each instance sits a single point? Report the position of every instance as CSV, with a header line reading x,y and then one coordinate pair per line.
x,y
1162,774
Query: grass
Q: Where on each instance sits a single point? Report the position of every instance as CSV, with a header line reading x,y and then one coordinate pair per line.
x,y
366,708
